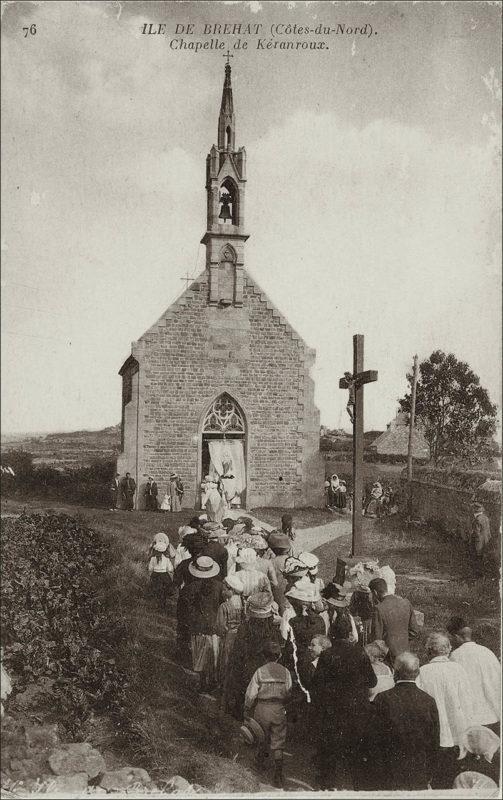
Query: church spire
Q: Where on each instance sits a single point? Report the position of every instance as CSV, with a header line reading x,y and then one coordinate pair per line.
x,y
226,120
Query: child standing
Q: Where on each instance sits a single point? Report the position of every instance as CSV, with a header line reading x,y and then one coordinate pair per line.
x,y
266,696
287,526
161,574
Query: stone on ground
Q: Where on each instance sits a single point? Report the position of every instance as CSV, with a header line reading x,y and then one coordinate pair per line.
x,y
124,778
176,784
72,758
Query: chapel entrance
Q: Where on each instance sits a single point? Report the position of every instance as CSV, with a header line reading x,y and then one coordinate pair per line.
x,y
223,449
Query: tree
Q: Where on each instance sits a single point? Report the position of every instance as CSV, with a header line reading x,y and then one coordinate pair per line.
x,y
455,411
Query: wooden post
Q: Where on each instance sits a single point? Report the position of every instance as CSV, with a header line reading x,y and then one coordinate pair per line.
x,y
356,383
356,546
411,432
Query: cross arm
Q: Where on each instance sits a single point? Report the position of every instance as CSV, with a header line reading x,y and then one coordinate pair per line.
x,y
363,377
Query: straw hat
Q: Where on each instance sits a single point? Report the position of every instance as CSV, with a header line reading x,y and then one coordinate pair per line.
x,y
259,605
247,556
310,560
252,733
173,475
234,582
475,780
204,567
480,741
305,591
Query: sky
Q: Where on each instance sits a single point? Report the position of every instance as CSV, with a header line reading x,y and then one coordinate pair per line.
x,y
373,194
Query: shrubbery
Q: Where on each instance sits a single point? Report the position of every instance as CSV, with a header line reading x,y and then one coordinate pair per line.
x,y
87,486
53,622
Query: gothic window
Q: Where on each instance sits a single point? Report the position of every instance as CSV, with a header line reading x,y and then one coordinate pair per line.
x,y
224,416
228,137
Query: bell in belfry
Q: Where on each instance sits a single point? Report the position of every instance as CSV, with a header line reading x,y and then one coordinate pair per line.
x,y
225,212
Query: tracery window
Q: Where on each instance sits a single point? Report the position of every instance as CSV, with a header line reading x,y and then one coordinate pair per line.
x,y
224,416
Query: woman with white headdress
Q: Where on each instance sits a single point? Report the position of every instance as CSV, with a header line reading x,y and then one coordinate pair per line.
x,y
212,500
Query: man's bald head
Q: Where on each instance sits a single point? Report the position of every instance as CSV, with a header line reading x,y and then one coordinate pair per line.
x,y
406,667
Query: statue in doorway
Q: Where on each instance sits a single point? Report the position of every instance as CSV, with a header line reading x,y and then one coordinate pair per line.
x,y
229,485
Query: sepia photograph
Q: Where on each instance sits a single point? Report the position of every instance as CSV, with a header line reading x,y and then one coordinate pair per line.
x,y
251,398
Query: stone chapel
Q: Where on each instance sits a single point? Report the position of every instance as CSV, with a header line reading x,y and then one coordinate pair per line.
x,y
220,385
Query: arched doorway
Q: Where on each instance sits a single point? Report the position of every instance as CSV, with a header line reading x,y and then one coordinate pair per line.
x,y
223,448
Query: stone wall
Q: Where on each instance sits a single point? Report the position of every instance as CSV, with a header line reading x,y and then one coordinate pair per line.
x,y
444,499
195,352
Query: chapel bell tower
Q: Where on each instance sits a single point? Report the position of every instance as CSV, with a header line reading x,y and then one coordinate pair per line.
x,y
225,189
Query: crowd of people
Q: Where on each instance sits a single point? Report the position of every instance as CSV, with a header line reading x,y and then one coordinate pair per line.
x,y
123,490
327,666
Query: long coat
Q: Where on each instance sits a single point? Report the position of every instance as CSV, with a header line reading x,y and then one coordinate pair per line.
x,y
407,738
340,692
394,621
481,533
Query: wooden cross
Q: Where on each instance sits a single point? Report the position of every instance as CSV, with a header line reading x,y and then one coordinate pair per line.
x,y
228,55
187,279
357,381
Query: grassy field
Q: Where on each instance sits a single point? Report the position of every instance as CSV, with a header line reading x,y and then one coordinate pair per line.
x,y
176,732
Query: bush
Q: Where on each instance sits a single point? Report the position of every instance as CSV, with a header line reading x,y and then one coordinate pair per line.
x,y
86,485
53,622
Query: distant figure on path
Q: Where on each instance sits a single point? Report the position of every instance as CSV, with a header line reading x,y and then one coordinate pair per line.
x,y
175,492
393,619
115,492
484,673
407,730
128,488
287,526
481,532
448,684
151,495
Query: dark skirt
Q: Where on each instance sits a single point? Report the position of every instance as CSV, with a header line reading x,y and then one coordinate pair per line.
x,y
161,587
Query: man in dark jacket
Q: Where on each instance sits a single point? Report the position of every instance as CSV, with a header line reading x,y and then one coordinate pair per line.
x,y
406,732
340,697
151,495
393,619
128,488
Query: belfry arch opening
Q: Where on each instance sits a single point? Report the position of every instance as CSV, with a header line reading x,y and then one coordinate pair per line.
x,y
228,199
223,450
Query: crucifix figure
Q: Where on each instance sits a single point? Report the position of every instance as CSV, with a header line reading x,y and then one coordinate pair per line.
x,y
354,383
228,55
187,279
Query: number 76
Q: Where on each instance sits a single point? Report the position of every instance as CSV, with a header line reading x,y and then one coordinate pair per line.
x,y
31,30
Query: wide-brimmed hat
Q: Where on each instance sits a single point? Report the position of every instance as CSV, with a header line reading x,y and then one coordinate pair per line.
x,y
185,530
278,541
204,567
247,556
252,733
310,560
305,591
173,475
293,566
335,594
480,741
234,581
213,530
259,605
